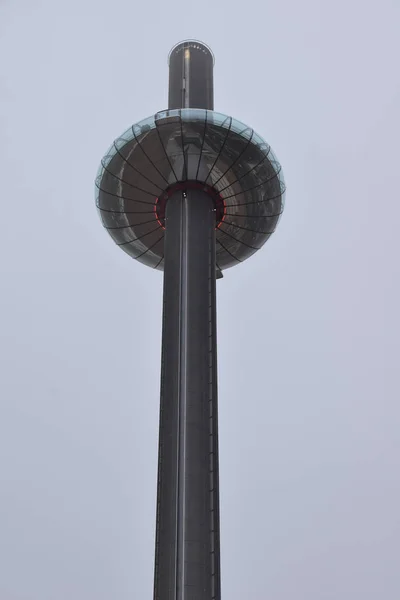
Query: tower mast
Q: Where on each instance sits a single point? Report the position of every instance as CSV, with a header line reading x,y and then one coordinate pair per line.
x,y
187,563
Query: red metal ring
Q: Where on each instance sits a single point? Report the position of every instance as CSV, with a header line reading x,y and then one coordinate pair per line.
x,y
161,201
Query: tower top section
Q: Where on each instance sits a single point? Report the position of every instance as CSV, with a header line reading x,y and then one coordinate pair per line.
x,y
191,76
189,44
184,148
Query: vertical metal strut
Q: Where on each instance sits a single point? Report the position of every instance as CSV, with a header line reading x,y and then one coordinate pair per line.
x,y
187,565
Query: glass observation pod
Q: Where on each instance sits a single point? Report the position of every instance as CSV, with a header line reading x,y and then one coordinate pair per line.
x,y
183,149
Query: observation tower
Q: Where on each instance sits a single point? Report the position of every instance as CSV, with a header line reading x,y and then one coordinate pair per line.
x,y
190,192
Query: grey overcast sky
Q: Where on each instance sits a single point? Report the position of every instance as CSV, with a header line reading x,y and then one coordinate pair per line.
x,y
308,328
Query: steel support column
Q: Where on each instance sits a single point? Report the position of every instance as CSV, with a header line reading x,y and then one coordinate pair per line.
x,y
187,538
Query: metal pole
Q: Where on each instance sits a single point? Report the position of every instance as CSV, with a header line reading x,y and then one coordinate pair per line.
x,y
187,544
187,561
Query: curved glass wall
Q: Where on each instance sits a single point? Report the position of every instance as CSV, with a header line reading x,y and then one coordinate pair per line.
x,y
198,146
